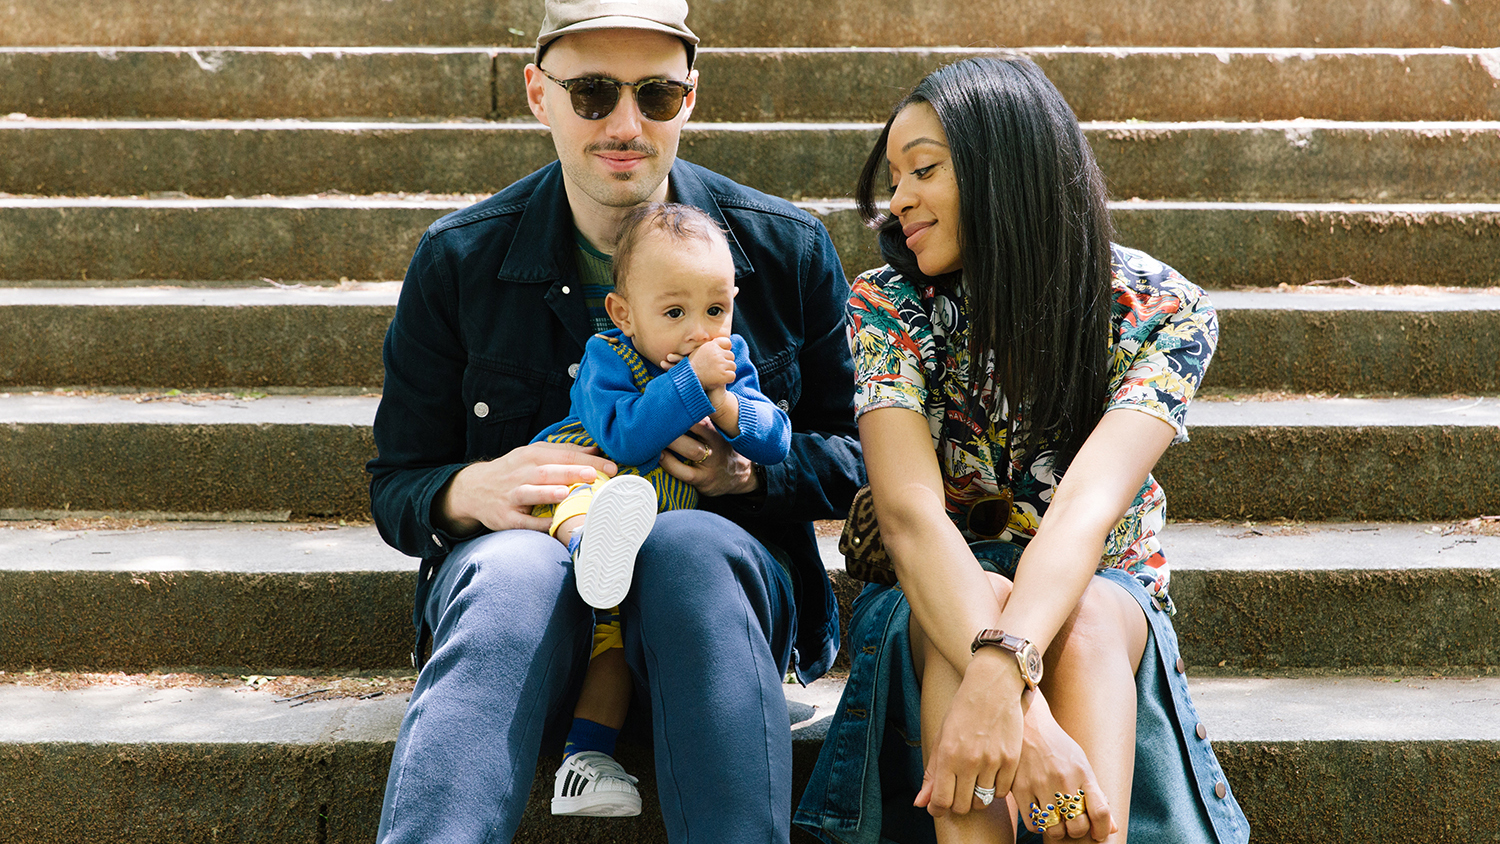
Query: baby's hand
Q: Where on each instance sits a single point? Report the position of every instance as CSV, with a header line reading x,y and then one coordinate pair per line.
x,y
713,363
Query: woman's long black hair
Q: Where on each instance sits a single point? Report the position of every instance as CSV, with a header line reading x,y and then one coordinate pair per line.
x,y
1034,240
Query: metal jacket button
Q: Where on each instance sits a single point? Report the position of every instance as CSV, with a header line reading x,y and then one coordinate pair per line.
x,y
481,409
1202,731
573,370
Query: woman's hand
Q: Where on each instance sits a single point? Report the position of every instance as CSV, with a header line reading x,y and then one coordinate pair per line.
x,y
1052,763
980,740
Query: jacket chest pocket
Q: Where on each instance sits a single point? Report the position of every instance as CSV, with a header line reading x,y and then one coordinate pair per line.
x,y
781,380
504,410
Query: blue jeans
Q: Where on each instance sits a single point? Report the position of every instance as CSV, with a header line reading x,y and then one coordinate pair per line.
x,y
709,624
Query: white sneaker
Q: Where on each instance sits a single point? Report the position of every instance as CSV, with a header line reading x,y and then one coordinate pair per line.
x,y
592,783
620,518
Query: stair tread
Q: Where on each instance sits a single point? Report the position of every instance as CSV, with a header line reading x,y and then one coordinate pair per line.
x,y
1300,709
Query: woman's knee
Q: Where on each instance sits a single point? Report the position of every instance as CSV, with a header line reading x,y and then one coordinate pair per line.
x,y
1106,626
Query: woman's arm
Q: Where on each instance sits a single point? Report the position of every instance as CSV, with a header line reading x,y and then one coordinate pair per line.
x,y
1099,486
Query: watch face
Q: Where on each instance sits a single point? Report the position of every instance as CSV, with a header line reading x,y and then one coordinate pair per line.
x,y
1033,660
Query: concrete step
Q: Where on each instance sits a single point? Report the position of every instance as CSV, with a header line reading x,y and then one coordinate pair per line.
x,y
269,338
796,84
1356,342
1206,161
1174,23
288,597
112,240
1335,459
196,338
144,764
209,457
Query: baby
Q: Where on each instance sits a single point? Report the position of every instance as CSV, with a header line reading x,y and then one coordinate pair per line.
x,y
669,363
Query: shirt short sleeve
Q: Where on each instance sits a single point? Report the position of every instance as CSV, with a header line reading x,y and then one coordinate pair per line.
x,y
890,340
1167,330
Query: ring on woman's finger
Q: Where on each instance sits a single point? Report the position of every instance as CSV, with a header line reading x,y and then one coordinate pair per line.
x,y
1070,806
985,796
1044,817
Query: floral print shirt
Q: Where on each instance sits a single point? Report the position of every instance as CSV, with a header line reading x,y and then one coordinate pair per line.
x,y
911,350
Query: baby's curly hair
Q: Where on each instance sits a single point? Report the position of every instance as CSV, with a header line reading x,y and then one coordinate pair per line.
x,y
679,222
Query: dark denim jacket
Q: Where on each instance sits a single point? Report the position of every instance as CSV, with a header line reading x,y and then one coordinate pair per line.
x,y
491,318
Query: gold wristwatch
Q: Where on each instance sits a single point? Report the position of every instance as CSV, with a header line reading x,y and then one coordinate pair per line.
x,y
1028,657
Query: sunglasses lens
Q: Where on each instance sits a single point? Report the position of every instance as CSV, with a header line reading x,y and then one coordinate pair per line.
x,y
594,99
660,101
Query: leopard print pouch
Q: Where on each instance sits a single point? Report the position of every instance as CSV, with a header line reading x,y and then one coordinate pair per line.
x,y
864,554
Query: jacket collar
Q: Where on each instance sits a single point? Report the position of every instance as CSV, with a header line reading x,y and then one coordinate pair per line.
x,y
543,241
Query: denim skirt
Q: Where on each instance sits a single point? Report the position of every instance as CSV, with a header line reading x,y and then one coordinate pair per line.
x,y
870,767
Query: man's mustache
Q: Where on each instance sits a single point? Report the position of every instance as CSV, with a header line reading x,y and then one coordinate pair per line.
x,y
636,145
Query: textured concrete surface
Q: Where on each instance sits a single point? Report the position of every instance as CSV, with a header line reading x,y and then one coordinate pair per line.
x,y
194,346
794,84
248,83
1315,597
1438,343
1218,245
100,241
304,457
1359,351
1275,23
1300,754
1337,459
1247,162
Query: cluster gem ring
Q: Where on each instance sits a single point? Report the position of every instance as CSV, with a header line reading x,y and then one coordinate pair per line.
x,y
1044,817
985,796
1070,806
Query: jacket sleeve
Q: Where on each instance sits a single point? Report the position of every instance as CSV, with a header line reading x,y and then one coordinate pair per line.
x,y
419,427
825,466
633,425
765,430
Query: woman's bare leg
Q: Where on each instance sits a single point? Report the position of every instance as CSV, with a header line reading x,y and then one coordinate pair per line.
x,y
940,681
1089,683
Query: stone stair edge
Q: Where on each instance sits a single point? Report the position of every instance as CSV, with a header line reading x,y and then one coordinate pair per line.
x,y
1372,22
1311,708
384,294
124,542
358,411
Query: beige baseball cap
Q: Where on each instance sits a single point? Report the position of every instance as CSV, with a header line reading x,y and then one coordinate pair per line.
x,y
564,16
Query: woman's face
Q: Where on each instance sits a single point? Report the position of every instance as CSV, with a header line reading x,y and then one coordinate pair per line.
x,y
924,191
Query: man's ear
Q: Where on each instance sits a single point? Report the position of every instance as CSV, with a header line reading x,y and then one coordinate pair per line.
x,y
536,86
733,292
692,98
619,312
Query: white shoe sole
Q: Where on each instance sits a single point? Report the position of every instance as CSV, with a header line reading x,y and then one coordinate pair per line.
x,y
620,518
608,805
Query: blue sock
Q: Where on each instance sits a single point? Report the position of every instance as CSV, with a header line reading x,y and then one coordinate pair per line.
x,y
590,735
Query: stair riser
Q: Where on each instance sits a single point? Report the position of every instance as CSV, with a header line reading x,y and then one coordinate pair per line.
x,y
1378,473
1217,247
1292,791
1279,23
322,622
1216,163
340,346
1414,353
193,347
305,469
265,623
793,85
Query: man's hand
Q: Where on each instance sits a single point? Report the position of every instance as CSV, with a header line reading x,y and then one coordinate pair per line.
x,y
703,458
499,494
713,363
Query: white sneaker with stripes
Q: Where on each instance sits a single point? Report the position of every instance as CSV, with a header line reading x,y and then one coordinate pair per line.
x,y
620,518
593,783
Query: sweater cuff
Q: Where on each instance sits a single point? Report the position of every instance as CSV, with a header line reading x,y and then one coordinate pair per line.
x,y
694,400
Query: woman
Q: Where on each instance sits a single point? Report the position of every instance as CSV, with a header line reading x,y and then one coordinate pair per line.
x,y
1010,350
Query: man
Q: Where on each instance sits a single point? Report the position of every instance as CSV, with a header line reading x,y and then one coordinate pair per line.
x,y
491,323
